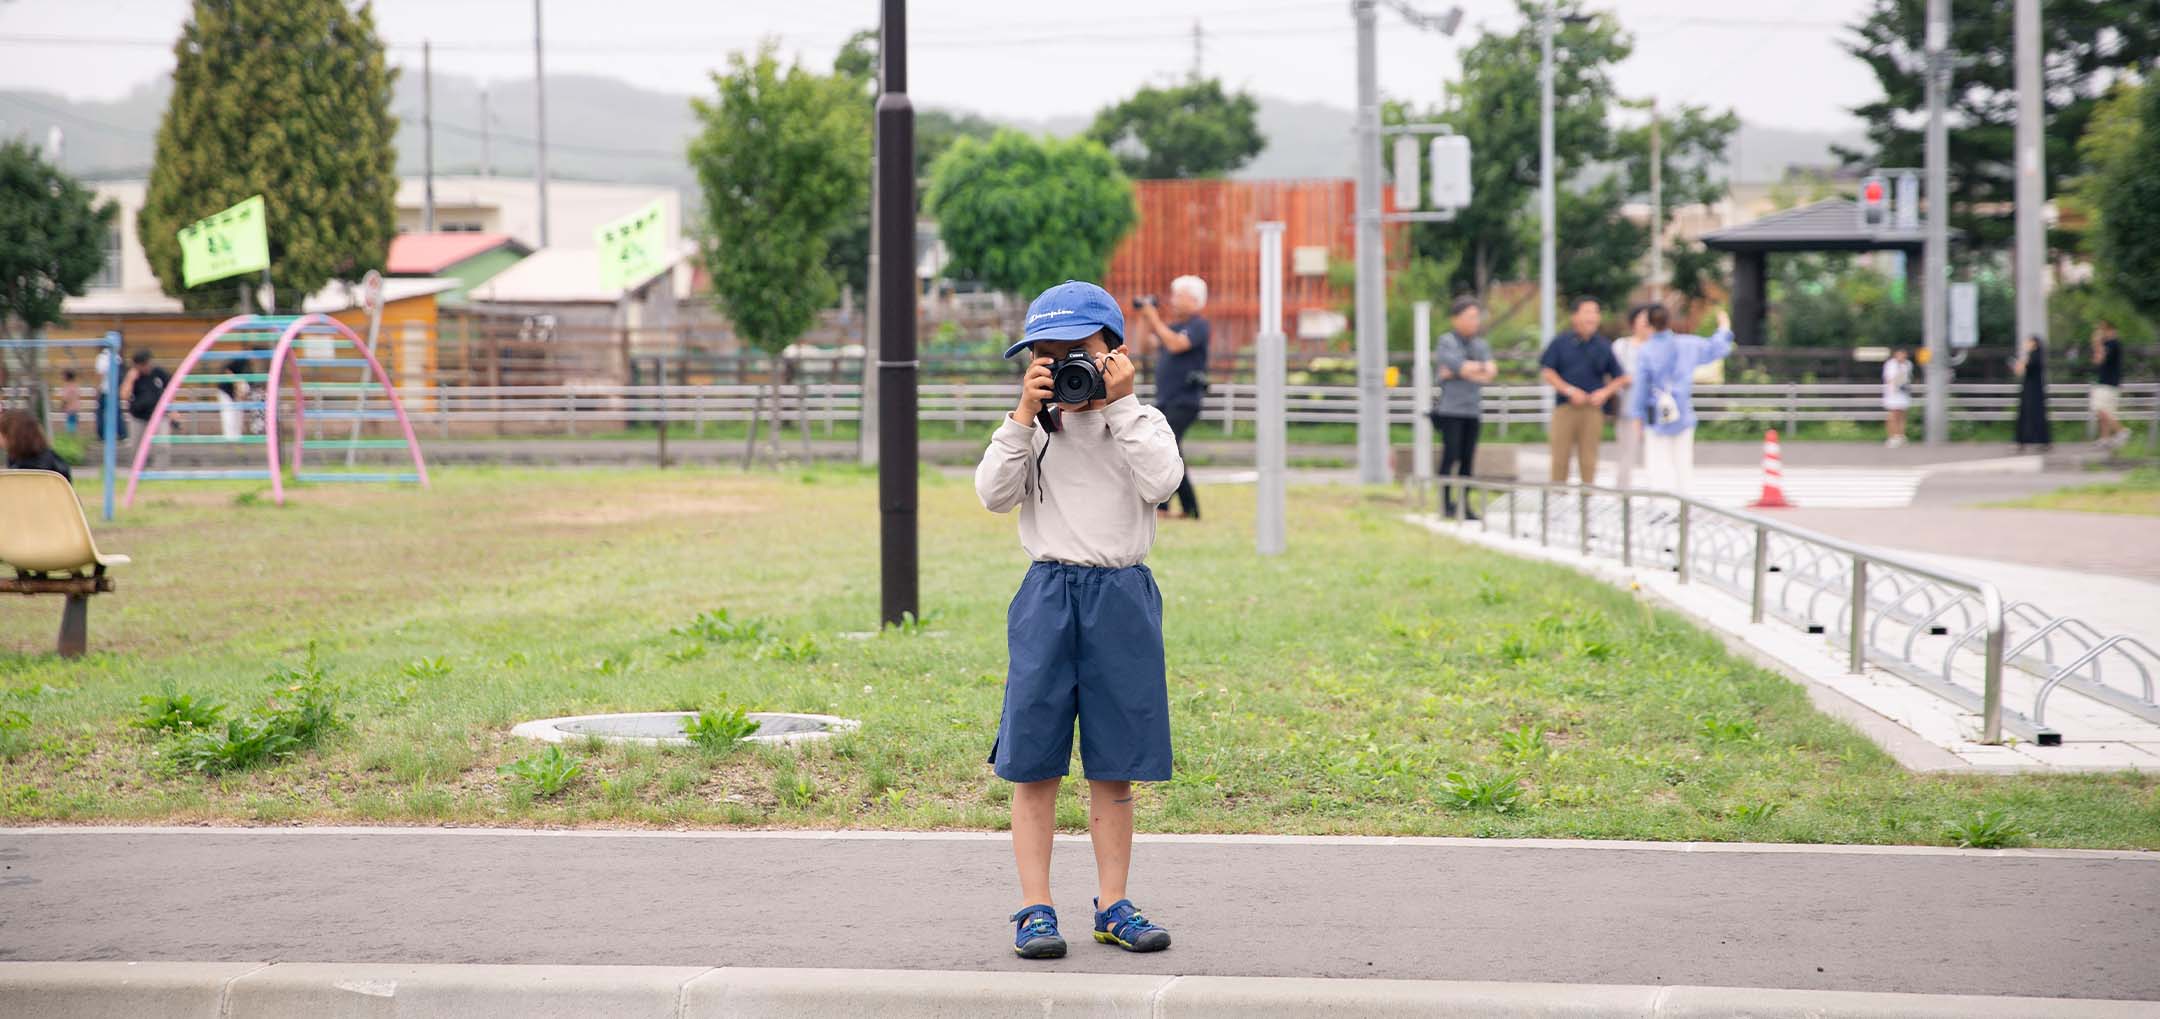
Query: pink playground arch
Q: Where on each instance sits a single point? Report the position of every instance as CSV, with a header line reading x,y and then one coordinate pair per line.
x,y
280,357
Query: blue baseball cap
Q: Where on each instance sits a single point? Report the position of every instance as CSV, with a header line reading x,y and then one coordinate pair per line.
x,y
1072,310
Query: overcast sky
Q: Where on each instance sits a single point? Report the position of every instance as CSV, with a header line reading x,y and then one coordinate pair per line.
x,y
1777,62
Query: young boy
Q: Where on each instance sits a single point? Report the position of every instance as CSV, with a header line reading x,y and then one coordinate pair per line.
x,y
1084,633
71,400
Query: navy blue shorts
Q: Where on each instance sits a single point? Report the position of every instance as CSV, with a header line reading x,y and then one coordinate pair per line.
x,y
1085,641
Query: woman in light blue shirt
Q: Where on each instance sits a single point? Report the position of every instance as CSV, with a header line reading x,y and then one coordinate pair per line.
x,y
1663,395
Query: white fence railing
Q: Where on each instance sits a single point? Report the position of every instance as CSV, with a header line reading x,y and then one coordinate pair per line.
x,y
570,409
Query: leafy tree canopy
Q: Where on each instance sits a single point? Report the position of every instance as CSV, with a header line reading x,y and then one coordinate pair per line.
x,y
2089,45
1024,214
782,159
55,232
288,99
1189,130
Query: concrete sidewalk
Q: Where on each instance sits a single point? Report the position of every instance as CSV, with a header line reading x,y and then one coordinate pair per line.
x,y
1932,921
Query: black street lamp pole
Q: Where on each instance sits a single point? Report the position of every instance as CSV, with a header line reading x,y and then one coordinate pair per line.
x,y
896,363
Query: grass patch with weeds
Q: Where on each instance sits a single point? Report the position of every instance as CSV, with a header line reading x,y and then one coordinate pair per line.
x,y
1334,689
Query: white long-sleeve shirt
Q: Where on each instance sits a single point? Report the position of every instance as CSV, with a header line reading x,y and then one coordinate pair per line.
x,y
1086,493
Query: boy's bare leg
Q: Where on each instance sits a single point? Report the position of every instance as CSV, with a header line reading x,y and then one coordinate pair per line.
x,y
1034,820
1110,828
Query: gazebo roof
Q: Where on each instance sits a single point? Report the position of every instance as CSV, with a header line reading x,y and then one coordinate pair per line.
x,y
1832,224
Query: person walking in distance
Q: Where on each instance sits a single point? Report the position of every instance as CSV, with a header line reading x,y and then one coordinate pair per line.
x,y
1627,425
1180,368
1896,396
2107,358
1578,364
1463,362
2030,366
1663,395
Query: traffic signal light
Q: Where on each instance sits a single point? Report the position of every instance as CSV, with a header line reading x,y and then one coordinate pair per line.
x,y
1874,202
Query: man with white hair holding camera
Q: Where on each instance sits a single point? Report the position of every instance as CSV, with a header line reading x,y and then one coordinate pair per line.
x,y
1180,367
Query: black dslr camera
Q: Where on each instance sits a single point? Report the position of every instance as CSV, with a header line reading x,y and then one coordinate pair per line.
x,y
1074,378
1144,301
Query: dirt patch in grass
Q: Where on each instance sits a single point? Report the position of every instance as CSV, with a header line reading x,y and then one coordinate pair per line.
x,y
617,512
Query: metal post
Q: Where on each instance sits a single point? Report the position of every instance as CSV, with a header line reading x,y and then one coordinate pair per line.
x,y
1657,207
427,137
1544,519
1935,255
1627,530
1762,574
1856,662
1991,673
540,172
1371,296
109,422
1582,519
897,366
1421,448
1271,433
1514,498
663,413
2031,163
1548,278
1680,546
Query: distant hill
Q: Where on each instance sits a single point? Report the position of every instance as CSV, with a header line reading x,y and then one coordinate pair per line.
x,y
608,130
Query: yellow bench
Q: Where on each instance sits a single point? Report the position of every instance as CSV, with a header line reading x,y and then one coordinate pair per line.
x,y
46,540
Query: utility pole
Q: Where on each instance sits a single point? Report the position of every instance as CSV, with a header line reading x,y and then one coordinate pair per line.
x,y
1657,208
1935,252
1548,269
1197,46
2031,179
896,361
487,149
1372,431
540,173
427,137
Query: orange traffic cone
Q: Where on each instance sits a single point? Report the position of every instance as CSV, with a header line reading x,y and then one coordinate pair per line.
x,y
1773,476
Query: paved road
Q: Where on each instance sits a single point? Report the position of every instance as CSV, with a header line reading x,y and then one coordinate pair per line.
x,y
1934,922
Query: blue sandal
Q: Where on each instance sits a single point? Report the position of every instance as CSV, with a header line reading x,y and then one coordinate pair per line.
x,y
1123,926
1035,935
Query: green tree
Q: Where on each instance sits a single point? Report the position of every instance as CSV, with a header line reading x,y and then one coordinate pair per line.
x,y
1692,142
1189,130
2089,44
2129,206
1597,252
55,234
289,99
1023,215
781,158
1494,103
56,238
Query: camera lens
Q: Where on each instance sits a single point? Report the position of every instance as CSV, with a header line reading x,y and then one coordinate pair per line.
x,y
1076,379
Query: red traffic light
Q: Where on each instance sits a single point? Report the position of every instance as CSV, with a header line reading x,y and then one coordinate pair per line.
x,y
1872,193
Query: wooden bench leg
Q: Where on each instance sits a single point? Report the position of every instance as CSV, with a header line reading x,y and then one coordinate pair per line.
x,y
75,626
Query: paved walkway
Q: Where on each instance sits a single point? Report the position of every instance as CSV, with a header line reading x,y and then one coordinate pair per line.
x,y
1928,921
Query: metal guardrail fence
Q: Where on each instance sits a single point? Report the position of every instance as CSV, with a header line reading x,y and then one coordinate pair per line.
x,y
571,408
1912,619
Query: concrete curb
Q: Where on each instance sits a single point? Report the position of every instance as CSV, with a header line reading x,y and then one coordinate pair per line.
x,y
224,990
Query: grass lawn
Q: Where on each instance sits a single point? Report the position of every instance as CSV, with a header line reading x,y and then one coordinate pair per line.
x,y
2137,493
1375,680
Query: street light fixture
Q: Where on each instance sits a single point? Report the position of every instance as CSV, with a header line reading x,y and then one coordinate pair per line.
x,y
1548,262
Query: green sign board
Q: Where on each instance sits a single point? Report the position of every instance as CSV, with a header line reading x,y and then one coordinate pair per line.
x,y
635,248
229,243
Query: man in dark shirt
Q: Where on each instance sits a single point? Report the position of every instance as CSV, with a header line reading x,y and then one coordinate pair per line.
x,y
1180,368
144,384
2107,358
1580,366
